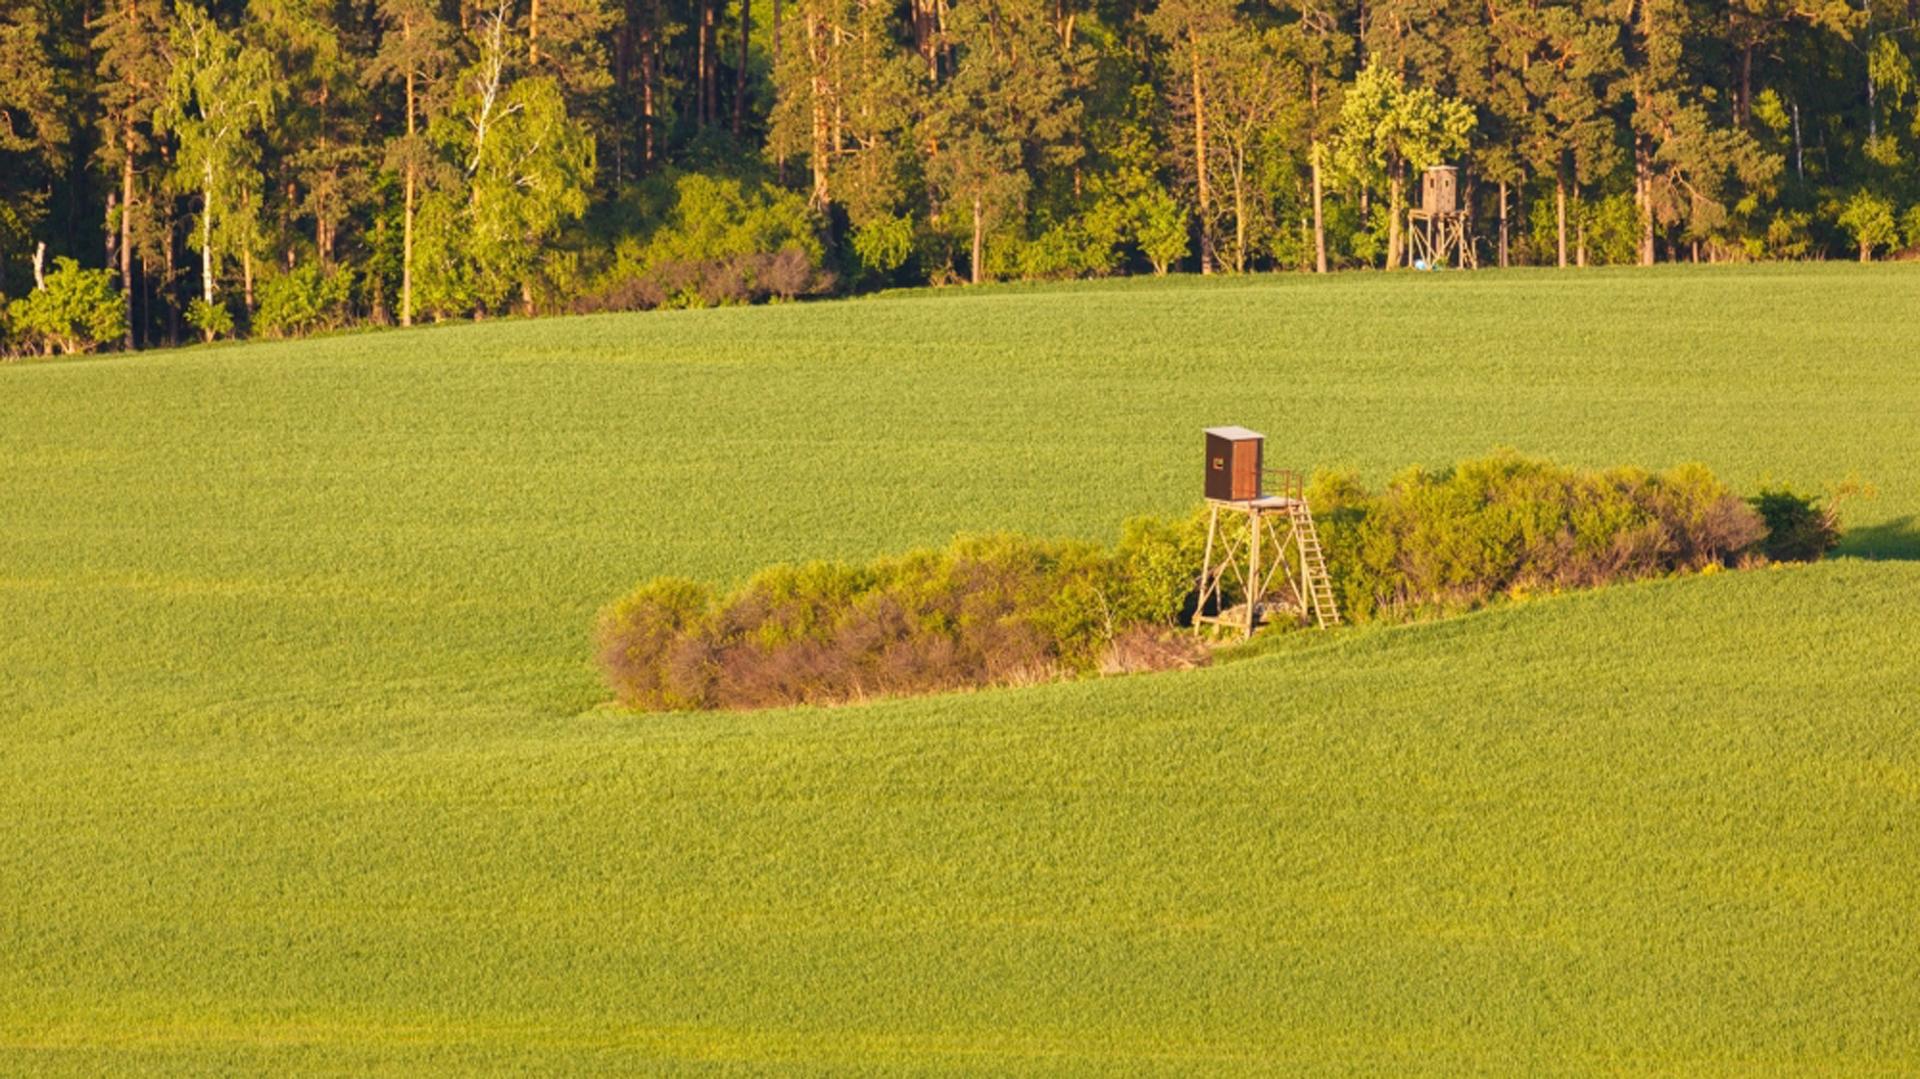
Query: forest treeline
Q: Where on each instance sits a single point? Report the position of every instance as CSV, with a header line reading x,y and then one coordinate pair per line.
x,y
273,167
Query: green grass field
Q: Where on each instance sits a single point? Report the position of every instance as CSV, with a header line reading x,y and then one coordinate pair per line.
x,y
303,765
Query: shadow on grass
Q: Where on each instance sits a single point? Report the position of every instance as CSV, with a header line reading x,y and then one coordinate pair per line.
x,y
1895,540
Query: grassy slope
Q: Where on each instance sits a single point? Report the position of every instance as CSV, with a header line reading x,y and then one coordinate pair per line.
x,y
296,770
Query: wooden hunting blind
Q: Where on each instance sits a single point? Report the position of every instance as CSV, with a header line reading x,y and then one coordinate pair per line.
x,y
1440,190
1438,230
1233,463
1270,563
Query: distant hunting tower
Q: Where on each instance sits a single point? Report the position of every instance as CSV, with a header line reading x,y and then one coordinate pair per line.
x,y
1437,232
1263,550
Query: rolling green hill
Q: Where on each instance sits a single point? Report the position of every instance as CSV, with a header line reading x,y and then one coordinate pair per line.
x,y
305,766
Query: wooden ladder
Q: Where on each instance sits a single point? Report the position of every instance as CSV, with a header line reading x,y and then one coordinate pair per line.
x,y
1313,563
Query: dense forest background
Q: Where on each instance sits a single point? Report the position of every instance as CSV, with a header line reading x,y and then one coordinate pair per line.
x,y
279,166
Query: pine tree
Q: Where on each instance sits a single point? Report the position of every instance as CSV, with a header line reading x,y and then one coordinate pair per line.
x,y
416,50
1257,102
1006,112
131,83
1323,46
320,159
34,136
1685,163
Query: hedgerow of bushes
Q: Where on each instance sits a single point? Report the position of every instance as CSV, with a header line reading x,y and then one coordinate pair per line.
x,y
1006,609
704,241
1438,542
987,610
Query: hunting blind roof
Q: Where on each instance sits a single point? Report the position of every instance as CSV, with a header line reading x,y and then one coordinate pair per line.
x,y
1234,434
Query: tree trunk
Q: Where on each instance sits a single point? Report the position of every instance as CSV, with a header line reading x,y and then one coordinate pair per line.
x,y
1560,214
1643,197
1799,155
126,220
406,219
1866,251
1503,224
206,240
1745,112
1205,195
709,65
649,68
700,62
740,76
1873,110
1239,211
533,33
979,242
921,13
1580,242
1319,218
817,100
1395,210
322,227
168,290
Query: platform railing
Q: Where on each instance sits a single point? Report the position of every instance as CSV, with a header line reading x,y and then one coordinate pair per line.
x,y
1284,482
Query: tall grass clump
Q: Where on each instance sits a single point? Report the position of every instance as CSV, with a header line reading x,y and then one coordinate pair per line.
x,y
988,610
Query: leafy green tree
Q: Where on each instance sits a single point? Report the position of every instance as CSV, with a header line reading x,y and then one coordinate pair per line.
x,y
1387,129
1130,203
1317,36
302,300
220,94
523,168
1551,96
566,42
73,310
1256,105
1869,219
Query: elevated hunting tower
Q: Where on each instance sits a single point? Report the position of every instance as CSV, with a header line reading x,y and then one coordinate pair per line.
x,y
1263,549
1437,229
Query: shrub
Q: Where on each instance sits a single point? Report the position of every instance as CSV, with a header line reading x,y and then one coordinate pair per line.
x,y
213,320
74,311
1160,226
1868,218
1799,529
883,243
649,623
988,610
1005,609
711,241
302,301
1451,540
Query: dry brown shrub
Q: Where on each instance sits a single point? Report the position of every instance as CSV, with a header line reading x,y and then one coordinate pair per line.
x,y
1142,648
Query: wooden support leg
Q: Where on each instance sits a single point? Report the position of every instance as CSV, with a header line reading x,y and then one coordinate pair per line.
x,y
1208,584
1253,568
